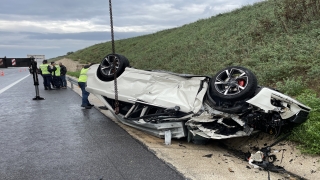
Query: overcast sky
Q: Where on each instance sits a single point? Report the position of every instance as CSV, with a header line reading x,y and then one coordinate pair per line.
x,y
55,27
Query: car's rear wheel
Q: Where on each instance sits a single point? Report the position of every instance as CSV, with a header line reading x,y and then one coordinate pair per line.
x,y
111,64
233,83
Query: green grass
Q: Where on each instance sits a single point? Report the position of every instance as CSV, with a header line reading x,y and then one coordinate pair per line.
x,y
74,74
277,39
308,134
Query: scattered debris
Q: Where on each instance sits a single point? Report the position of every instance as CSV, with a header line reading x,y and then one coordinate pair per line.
x,y
257,157
227,155
230,170
263,159
283,150
182,145
208,155
272,158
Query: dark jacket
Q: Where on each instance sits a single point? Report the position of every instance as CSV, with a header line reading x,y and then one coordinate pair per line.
x,y
63,70
52,69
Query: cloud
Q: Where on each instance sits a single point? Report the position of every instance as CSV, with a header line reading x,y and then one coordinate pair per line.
x,y
94,36
62,25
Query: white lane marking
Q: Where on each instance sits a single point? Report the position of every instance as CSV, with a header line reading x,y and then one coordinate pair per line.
x,y
6,88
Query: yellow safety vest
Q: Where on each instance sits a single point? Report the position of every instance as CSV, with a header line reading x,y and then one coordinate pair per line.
x,y
44,68
57,72
83,75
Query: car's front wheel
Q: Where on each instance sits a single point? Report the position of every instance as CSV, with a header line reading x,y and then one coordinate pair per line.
x,y
233,83
111,64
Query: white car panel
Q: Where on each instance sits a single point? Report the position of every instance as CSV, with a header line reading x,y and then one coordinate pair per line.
x,y
154,88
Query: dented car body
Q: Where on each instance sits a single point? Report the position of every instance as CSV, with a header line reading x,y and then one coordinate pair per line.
x,y
229,104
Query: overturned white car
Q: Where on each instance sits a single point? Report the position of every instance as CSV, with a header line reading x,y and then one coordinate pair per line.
x,y
230,104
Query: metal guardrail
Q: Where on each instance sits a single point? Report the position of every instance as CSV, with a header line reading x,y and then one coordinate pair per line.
x,y
72,81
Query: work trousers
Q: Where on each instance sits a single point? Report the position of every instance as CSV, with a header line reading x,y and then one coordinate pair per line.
x,y
63,80
47,78
85,94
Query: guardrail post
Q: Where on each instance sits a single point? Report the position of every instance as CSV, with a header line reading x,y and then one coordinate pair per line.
x,y
72,81
71,85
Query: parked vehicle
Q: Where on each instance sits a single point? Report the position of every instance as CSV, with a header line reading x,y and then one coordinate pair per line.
x,y
229,104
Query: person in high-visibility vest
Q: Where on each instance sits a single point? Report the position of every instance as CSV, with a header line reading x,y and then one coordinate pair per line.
x,y
56,75
45,71
82,82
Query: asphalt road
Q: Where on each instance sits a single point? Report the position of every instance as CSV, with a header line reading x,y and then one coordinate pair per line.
x,y
10,76
57,139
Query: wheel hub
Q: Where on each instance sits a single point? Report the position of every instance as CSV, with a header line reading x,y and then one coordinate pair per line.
x,y
232,83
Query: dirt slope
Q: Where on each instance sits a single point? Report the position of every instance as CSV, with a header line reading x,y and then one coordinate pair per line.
x,y
70,64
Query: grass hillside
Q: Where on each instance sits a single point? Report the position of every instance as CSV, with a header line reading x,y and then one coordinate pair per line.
x,y
277,39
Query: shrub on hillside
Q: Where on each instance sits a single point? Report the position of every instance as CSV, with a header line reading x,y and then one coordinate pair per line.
x,y
296,12
291,86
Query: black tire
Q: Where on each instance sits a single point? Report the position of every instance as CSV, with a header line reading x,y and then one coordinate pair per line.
x,y
125,60
233,83
105,69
